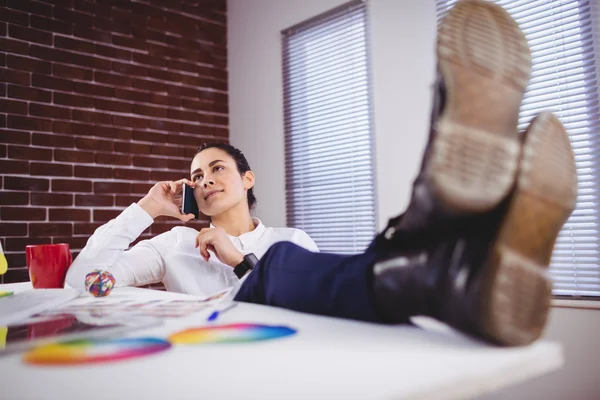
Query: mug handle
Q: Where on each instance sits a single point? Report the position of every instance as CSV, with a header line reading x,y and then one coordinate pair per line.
x,y
70,258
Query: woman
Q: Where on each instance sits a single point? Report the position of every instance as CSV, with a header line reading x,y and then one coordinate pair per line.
x,y
184,259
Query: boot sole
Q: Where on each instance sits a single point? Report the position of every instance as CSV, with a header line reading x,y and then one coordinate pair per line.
x,y
517,287
485,61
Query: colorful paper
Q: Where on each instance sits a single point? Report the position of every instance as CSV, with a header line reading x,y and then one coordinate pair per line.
x,y
95,351
231,333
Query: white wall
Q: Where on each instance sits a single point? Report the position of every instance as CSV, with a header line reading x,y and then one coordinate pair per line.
x,y
402,72
403,65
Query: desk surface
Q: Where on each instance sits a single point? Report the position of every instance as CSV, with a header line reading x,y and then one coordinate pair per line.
x,y
328,358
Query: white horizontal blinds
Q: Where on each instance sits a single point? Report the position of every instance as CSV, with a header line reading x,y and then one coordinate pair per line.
x,y
330,191
564,79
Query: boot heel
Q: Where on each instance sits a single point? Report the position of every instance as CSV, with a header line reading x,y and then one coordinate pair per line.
x,y
518,289
485,61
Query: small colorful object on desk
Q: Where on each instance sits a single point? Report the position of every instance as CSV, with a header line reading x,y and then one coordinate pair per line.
x,y
94,351
6,294
99,283
231,333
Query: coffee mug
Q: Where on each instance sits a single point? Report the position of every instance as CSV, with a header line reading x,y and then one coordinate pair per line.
x,y
48,264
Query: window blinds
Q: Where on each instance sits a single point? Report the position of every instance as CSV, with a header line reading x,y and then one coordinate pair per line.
x,y
563,37
330,190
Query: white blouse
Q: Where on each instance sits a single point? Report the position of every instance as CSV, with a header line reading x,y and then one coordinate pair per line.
x,y
170,257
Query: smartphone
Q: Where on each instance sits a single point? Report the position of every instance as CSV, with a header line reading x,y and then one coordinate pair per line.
x,y
188,202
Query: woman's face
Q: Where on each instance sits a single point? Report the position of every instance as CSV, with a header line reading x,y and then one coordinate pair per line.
x,y
219,185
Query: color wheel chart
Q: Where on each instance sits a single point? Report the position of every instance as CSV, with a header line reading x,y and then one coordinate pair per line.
x,y
106,350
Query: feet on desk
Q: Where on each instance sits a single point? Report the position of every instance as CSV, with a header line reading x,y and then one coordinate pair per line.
x,y
474,245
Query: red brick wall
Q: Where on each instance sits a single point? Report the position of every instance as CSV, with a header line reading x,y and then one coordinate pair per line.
x,y
99,100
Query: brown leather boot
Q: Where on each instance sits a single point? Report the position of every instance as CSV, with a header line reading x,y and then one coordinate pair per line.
x,y
487,276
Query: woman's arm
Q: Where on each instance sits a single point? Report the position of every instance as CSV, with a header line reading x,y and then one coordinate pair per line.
x,y
144,263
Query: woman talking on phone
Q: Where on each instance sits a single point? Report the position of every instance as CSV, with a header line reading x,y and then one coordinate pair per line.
x,y
185,260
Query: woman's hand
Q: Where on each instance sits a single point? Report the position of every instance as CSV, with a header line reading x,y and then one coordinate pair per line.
x,y
161,199
217,241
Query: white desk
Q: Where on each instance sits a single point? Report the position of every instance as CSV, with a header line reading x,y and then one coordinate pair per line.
x,y
328,358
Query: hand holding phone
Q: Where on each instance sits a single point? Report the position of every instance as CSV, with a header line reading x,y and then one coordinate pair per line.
x,y
188,202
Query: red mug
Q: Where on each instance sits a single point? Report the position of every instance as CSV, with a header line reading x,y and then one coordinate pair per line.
x,y
48,264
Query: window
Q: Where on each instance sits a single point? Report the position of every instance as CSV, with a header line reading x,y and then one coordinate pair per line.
x,y
330,190
564,79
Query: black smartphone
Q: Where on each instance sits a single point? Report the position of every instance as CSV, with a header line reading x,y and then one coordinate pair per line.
x,y
188,202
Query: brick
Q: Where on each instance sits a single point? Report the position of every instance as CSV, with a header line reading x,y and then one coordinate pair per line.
x,y
13,46
71,185
91,116
93,200
42,110
70,72
53,169
158,176
68,214
50,140
29,123
131,95
128,68
112,26
132,174
150,111
91,8
28,64
182,66
106,215
28,6
182,115
113,159
50,229
94,90
74,156
22,214
30,35
2,120
182,165
149,162
51,199
50,25
141,188
119,120
2,89
68,57
152,86
3,28
18,244
149,60
74,44
112,132
13,107
14,167
133,43
28,93
83,30
112,79
72,17
164,125
14,16
15,137
12,76
30,184
112,187
158,228
125,201
138,148
95,144
29,153
8,229
71,128
82,171
164,75
75,243
168,151
86,228
73,100
50,82
112,52
112,105
14,198
190,152
16,275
